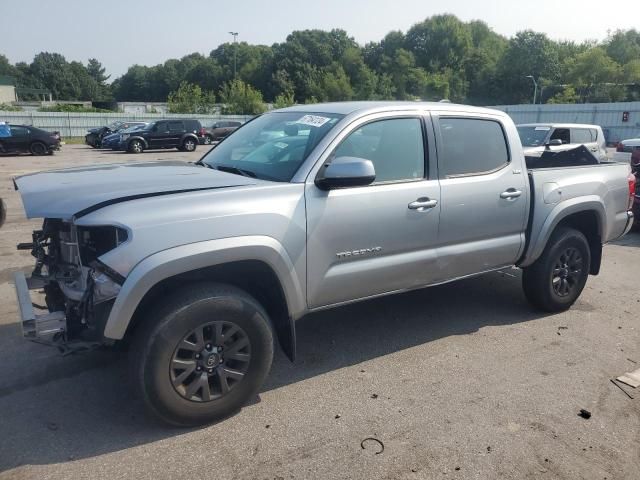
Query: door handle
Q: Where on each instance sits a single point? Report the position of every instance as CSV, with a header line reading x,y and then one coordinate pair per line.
x,y
422,204
510,194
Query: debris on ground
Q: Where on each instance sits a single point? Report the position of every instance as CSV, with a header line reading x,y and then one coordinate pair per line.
x,y
631,378
374,395
371,442
632,361
586,414
620,387
337,416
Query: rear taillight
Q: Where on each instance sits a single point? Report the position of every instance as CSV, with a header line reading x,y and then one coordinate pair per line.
x,y
632,189
620,147
202,131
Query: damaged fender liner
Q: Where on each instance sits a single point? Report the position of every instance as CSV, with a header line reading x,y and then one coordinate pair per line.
x,y
114,201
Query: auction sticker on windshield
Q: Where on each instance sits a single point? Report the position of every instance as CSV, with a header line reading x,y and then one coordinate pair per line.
x,y
313,120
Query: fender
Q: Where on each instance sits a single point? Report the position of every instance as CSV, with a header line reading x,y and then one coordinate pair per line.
x,y
591,203
137,137
185,258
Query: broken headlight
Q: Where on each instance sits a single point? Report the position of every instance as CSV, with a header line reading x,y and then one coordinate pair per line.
x,y
96,241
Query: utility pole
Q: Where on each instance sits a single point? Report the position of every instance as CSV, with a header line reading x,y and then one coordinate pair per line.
x,y
235,53
535,88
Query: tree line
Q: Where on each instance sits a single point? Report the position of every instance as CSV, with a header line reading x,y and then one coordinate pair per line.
x,y
440,57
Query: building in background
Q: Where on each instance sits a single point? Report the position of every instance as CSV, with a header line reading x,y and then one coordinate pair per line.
x,y
7,90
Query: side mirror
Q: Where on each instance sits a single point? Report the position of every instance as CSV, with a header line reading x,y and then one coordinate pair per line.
x,y
346,172
555,142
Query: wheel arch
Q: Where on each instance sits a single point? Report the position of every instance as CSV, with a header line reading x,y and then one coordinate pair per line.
x,y
141,139
258,266
587,217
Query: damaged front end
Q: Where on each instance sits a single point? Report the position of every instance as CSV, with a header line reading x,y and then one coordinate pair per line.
x,y
78,289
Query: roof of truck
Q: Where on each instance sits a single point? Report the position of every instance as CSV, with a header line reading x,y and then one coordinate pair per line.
x,y
558,125
346,108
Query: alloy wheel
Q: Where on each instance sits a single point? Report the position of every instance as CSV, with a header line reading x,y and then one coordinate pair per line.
x,y
210,361
567,271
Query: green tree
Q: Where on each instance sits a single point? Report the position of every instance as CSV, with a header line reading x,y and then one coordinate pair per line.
x,y
241,98
528,53
190,98
567,95
623,46
439,42
284,100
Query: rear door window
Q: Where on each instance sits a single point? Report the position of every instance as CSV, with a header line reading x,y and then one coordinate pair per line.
x,y
581,135
19,131
471,146
176,126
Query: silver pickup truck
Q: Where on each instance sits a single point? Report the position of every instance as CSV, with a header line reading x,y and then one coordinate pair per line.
x,y
200,267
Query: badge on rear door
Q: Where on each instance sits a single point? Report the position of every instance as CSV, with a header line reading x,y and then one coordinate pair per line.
x,y
356,253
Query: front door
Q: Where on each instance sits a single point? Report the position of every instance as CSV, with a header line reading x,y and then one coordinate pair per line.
x,y
483,195
159,135
365,241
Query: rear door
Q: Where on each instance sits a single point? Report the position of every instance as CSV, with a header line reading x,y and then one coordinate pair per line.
x,y
589,138
483,195
364,241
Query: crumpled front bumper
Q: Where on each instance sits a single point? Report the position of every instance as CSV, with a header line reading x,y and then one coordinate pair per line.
x,y
42,328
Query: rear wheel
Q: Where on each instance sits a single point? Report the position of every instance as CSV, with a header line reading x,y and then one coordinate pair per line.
x,y
208,139
38,148
202,355
189,145
556,280
135,146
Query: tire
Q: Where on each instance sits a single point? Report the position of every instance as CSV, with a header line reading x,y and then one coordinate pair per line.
x,y
176,395
38,148
555,281
188,145
135,146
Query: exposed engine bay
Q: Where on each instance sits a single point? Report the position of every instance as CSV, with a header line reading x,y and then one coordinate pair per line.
x,y
78,289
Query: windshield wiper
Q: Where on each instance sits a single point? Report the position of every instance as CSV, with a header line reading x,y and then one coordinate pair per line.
x,y
236,170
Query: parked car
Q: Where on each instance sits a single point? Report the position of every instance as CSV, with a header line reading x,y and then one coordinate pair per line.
x,y
626,149
173,133
538,137
218,131
95,135
113,140
27,139
203,265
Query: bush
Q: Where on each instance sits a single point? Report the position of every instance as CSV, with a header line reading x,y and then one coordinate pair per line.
x,y
73,109
240,98
190,98
5,107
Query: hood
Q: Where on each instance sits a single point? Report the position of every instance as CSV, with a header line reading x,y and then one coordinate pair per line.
x,y
78,191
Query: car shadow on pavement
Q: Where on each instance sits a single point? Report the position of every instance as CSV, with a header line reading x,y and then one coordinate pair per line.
x,y
56,409
631,239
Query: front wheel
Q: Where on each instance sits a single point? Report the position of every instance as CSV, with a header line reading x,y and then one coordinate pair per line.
x,y
555,281
208,140
136,146
202,354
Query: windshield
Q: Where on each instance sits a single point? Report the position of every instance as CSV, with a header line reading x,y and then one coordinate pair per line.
x,y
533,136
272,146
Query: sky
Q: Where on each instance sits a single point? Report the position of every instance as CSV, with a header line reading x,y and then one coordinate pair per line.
x,y
147,32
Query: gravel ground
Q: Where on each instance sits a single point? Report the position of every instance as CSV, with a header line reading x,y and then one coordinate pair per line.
x,y
458,381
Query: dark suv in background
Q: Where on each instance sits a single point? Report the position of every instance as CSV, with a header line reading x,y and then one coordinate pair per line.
x,y
219,130
26,139
182,134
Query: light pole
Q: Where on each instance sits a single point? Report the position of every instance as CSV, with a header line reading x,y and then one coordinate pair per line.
x,y
535,88
235,52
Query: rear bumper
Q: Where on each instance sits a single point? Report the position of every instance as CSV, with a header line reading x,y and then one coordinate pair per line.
x,y
41,328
